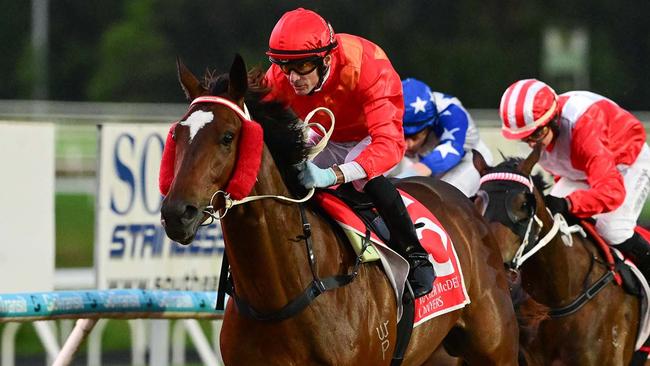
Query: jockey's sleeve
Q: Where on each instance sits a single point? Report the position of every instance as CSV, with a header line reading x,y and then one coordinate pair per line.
x,y
453,123
383,107
589,154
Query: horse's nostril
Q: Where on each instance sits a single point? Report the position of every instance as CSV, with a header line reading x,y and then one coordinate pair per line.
x,y
190,214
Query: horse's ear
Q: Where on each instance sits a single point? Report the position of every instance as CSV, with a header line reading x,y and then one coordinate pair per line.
x,y
503,156
479,162
526,165
238,78
191,85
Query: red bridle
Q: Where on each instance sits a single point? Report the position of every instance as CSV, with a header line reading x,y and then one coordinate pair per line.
x,y
249,148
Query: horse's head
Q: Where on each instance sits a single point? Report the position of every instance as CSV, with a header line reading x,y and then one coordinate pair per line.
x,y
206,143
510,198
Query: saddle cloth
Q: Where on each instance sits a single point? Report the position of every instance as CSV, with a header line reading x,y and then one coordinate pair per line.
x,y
449,291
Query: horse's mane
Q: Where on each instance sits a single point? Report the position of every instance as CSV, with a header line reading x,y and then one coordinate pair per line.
x,y
510,164
283,130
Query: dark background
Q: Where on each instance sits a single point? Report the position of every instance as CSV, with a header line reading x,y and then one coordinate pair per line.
x,y
124,51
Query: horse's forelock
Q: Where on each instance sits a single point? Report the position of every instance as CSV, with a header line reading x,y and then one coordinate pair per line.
x,y
509,164
216,85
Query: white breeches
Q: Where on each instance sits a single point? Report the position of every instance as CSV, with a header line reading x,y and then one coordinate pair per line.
x,y
341,153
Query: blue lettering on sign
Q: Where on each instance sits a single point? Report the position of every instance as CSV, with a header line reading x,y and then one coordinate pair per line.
x,y
133,231
124,174
136,240
135,178
149,240
118,244
153,138
208,241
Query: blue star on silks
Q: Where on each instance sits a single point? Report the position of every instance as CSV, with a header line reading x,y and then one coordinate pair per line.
x,y
446,148
419,105
449,134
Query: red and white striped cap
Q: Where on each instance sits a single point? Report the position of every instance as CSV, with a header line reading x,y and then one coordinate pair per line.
x,y
526,105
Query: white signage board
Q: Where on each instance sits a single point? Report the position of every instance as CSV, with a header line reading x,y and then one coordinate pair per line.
x,y
26,207
131,248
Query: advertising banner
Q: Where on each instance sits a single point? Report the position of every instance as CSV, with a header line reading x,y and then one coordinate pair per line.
x,y
131,248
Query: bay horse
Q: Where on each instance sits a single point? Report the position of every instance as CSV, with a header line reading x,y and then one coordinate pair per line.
x,y
602,331
270,267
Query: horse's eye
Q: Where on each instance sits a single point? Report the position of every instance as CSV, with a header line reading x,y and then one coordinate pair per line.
x,y
227,138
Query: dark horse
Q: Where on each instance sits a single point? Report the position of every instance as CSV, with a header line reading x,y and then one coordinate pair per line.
x,y
270,266
601,332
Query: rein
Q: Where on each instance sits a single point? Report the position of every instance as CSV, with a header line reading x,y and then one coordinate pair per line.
x,y
229,202
561,226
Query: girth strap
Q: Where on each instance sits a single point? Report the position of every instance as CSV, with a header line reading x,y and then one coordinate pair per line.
x,y
298,304
576,304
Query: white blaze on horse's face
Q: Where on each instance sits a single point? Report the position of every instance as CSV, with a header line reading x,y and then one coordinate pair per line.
x,y
196,121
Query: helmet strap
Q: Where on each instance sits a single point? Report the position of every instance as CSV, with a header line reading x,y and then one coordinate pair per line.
x,y
323,73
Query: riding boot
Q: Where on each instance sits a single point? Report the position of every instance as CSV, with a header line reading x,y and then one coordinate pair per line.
x,y
403,238
638,249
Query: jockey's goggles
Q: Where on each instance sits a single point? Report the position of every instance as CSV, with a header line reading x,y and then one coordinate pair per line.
x,y
301,66
537,135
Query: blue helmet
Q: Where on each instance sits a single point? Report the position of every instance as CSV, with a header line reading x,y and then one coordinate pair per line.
x,y
420,109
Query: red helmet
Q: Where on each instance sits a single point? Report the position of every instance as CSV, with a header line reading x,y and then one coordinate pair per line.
x,y
300,34
525,106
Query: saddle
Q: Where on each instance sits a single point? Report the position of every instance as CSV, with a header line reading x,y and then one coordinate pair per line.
x,y
361,204
623,274
354,213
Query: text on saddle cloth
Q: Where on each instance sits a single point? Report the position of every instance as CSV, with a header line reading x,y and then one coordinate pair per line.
x,y
449,291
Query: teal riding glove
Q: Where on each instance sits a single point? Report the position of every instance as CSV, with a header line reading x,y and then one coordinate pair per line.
x,y
312,176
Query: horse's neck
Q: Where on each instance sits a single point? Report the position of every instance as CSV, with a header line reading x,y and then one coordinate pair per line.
x,y
269,265
556,274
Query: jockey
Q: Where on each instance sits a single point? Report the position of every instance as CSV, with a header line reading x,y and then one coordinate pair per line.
x,y
440,135
597,152
314,67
